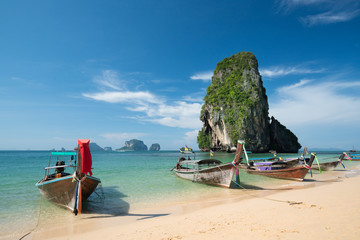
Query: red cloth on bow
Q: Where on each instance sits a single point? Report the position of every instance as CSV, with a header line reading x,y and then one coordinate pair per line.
x,y
84,150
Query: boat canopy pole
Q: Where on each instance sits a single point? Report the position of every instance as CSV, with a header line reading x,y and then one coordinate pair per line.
x,y
60,166
242,142
341,158
239,149
46,171
302,157
236,161
312,158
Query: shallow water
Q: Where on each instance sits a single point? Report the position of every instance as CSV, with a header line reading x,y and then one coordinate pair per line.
x,y
130,181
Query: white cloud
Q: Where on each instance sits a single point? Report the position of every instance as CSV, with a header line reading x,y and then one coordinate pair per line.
x,y
191,135
280,71
288,5
326,103
328,11
180,114
194,99
196,96
286,89
329,17
189,139
123,97
118,137
204,76
109,79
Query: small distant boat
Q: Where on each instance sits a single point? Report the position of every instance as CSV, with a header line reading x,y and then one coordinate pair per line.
x,y
288,169
65,189
207,171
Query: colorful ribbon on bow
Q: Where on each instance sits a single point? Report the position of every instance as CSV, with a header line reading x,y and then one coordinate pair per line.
x,y
237,173
347,156
317,161
78,200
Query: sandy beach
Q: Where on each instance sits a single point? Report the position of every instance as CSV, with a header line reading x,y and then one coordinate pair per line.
x,y
325,209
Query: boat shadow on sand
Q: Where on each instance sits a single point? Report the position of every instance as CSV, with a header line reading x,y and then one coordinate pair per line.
x,y
244,186
109,203
312,180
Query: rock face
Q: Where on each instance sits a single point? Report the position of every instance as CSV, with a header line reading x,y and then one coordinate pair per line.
x,y
134,145
154,147
281,138
236,107
108,149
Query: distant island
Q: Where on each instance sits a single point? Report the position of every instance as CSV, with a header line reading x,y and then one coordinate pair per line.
x,y
108,149
132,145
94,147
154,147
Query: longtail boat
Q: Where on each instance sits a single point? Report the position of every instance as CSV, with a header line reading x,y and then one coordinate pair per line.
x,y
352,156
328,166
65,189
290,169
208,171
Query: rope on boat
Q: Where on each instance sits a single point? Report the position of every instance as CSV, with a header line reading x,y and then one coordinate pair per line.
x,y
313,154
349,158
236,166
101,196
77,206
38,219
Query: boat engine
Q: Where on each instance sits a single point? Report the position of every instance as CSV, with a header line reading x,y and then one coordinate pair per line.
x,y
60,163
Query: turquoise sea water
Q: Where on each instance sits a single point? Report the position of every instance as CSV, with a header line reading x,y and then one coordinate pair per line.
x,y
130,180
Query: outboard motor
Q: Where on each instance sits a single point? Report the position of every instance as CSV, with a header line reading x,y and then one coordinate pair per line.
x,y
60,163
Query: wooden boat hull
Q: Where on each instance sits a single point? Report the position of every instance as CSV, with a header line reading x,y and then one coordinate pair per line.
x,y
352,159
326,166
294,173
220,175
62,191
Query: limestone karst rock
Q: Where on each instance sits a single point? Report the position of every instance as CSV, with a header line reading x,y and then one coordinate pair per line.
x,y
236,107
154,147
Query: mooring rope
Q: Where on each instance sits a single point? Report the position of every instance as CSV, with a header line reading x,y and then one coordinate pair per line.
x,y
270,199
38,219
102,195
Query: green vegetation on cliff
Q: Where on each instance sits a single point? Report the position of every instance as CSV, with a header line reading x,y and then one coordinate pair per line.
x,y
203,140
233,92
236,107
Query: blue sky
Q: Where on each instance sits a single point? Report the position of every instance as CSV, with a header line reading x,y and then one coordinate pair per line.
x,y
112,71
